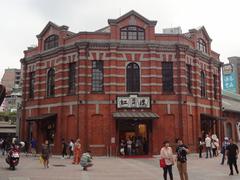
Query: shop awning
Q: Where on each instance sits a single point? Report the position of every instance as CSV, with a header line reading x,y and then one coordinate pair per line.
x,y
137,115
8,130
42,117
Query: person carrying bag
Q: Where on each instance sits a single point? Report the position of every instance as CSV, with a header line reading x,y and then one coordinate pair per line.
x,y
166,160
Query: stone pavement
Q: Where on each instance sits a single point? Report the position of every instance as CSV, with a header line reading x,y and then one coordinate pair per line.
x,y
112,169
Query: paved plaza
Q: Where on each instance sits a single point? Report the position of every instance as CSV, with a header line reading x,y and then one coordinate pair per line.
x,y
112,169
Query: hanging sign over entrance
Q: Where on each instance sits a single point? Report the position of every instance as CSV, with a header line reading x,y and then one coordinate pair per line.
x,y
133,101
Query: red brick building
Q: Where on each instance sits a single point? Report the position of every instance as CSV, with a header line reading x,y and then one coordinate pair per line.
x,y
120,81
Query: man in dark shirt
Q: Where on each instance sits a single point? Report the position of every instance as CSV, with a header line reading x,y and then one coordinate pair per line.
x,y
232,154
182,151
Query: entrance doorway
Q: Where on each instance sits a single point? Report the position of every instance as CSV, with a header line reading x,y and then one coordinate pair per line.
x,y
134,136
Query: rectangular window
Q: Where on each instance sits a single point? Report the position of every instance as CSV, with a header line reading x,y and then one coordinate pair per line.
x,y
189,78
31,84
72,78
97,76
167,76
215,86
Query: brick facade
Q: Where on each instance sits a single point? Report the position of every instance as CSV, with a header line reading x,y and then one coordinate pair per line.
x,y
89,115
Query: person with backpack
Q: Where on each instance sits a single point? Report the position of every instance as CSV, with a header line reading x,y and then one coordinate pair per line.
x,y
182,151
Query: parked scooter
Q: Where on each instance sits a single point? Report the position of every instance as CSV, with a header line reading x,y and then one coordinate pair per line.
x,y
13,156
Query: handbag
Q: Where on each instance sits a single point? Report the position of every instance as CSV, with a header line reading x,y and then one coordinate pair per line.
x,y
162,163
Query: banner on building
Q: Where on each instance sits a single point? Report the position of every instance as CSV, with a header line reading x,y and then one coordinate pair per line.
x,y
229,79
238,130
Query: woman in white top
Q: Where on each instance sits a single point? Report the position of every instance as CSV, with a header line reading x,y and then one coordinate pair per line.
x,y
167,154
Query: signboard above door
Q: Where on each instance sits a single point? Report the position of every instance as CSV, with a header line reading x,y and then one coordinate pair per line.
x,y
133,102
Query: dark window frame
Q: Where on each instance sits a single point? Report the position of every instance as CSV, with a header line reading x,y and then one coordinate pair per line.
x,y
215,85
133,77
189,78
51,82
203,84
72,78
51,41
167,77
97,76
31,84
132,33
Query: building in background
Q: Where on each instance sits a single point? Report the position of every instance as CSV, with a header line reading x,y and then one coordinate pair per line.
x,y
231,114
12,81
122,81
231,75
175,30
11,78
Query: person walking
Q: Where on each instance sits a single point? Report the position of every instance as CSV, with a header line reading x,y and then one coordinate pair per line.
x,y
200,146
45,154
167,154
77,152
71,148
64,148
208,146
182,151
223,150
232,152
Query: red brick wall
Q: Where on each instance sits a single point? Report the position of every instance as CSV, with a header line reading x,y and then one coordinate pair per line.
x,y
89,116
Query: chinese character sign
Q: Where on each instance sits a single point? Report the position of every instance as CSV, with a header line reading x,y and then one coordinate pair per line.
x,y
229,82
133,101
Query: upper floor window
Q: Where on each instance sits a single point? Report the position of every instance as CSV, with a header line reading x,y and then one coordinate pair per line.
x,y
215,86
203,85
51,82
51,42
97,76
133,77
72,78
132,33
201,45
31,84
167,76
189,78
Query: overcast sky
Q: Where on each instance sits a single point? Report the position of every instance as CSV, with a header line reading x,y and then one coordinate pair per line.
x,y
22,20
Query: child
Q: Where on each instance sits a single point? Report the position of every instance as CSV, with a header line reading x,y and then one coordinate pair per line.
x,y
86,160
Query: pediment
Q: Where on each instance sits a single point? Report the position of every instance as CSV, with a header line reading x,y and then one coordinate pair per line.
x,y
131,15
53,26
201,30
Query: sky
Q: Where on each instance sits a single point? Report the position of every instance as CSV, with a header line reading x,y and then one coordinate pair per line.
x,y
22,20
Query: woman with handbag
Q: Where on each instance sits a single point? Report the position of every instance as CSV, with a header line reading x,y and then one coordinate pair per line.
x,y
167,160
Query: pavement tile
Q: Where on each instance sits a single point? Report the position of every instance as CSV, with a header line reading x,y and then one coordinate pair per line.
x,y
112,169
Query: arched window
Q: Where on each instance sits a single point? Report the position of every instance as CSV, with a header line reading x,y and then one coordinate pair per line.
x,y
51,42
229,130
132,33
133,77
203,84
201,45
51,82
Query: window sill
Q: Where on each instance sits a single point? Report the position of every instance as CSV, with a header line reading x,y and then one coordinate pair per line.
x,y
97,92
168,93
